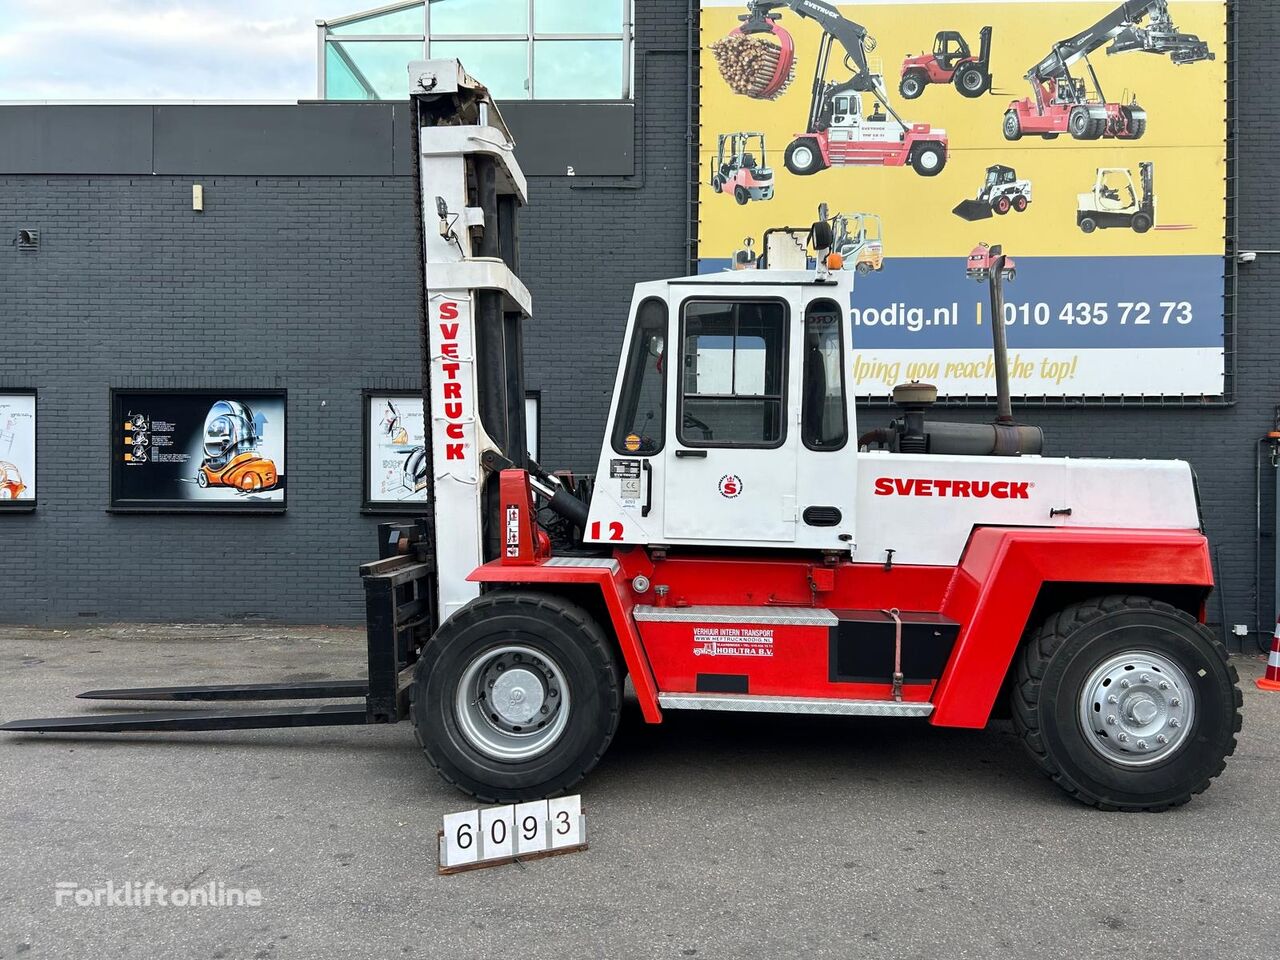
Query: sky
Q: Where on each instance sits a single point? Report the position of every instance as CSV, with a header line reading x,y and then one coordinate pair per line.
x,y
162,49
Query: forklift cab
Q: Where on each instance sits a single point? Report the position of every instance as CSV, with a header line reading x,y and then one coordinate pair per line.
x,y
731,420
950,49
848,124
1115,190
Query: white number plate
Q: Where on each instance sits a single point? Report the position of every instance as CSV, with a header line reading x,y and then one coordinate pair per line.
x,y
493,835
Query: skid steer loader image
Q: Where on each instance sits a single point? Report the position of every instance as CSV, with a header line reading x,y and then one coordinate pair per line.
x,y
1001,192
1114,201
744,548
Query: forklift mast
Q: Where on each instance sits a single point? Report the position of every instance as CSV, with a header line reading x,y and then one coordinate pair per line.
x,y
1146,171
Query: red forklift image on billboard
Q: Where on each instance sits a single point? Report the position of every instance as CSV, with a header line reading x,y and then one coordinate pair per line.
x,y
198,449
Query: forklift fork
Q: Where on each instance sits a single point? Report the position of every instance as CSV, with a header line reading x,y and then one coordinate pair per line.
x,y
400,606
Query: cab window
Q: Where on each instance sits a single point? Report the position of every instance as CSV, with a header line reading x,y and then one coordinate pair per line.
x,y
733,366
639,428
823,419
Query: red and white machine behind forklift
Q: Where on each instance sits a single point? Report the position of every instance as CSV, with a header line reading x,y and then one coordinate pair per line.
x,y
744,549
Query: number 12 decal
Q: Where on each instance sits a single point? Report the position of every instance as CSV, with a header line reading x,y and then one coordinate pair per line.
x,y
615,530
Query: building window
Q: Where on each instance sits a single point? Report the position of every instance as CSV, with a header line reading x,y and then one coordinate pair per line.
x,y
733,365
521,49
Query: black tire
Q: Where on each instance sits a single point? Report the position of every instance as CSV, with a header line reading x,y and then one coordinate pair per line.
x,y
1141,223
1054,667
1050,136
1011,275
1002,205
717,184
913,84
740,194
1080,125
1135,127
863,268
1020,203
1088,224
929,158
1012,126
803,157
569,637
971,80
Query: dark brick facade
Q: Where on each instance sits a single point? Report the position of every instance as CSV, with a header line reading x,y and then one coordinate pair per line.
x,y
307,284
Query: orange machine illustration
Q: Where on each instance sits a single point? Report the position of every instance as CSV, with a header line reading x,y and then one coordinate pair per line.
x,y
231,438
11,485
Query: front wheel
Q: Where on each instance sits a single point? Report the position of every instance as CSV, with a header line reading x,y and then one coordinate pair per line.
x,y
929,159
1002,205
972,81
1080,124
913,84
516,696
1141,223
1127,703
803,157
717,185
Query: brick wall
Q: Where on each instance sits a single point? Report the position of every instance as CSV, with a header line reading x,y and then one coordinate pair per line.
x,y
308,284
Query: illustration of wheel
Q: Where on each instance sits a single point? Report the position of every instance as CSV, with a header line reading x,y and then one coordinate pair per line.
x,y
863,268
740,194
971,80
929,159
1013,126
913,84
1127,703
202,479
1141,223
1050,136
1011,275
1080,125
1020,203
717,184
250,483
1088,224
803,157
516,696
1002,205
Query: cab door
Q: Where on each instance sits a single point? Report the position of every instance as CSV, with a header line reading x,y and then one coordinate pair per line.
x,y
730,470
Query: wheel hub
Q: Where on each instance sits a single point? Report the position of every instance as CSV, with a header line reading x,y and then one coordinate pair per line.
x,y
512,703
1137,708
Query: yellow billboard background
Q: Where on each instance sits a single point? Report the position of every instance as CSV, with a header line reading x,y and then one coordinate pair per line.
x,y
1185,137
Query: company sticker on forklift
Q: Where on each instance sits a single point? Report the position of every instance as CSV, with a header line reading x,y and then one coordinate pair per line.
x,y
733,641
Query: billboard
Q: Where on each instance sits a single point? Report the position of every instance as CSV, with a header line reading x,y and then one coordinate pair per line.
x,y
1086,138
17,450
198,450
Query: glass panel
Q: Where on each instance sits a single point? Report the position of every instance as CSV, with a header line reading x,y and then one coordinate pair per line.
x,y
501,65
407,21
577,16
822,416
453,17
733,360
369,69
642,408
577,69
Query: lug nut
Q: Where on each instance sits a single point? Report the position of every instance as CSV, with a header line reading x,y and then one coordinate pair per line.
x,y
1161,738
1142,744
1146,678
1175,702
1174,722
1164,684
1113,699
1111,720
1123,738
1125,683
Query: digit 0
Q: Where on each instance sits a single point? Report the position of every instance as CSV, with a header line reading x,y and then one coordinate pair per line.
x,y
498,831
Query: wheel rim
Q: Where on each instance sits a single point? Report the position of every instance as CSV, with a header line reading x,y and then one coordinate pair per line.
x,y
929,160
1011,125
1137,708
972,80
512,703
910,87
802,157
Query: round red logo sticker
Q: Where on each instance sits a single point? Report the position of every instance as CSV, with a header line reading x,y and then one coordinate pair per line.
x,y
730,486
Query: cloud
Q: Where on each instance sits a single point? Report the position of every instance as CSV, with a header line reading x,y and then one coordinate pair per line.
x,y
158,49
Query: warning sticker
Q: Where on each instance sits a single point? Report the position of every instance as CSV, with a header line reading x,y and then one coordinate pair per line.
x,y
733,641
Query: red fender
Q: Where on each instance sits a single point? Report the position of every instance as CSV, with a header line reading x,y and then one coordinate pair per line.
x,y
995,587
607,573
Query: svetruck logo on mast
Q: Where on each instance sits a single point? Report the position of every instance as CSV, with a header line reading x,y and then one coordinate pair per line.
x,y
975,489
451,366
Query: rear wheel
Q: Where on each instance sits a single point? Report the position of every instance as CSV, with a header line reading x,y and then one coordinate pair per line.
x,y
1050,136
1012,126
740,194
971,80
913,84
516,696
1127,703
803,157
1135,127
1088,224
1020,203
928,159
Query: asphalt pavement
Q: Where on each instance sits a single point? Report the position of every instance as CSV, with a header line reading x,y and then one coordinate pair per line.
x,y
711,836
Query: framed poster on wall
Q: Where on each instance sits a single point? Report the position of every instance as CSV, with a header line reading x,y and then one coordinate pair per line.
x,y
17,449
198,450
395,452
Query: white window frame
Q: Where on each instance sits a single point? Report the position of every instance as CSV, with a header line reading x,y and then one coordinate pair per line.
x,y
324,36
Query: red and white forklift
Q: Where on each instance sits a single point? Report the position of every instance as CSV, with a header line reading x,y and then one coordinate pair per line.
x,y
851,122
737,171
743,548
1063,103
